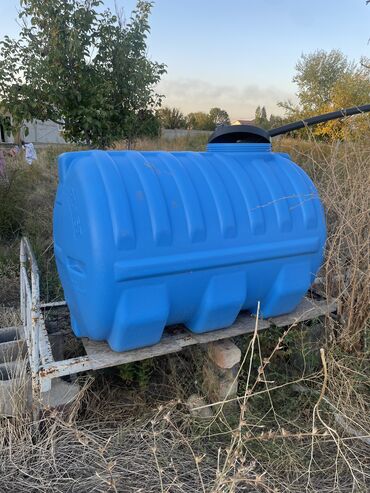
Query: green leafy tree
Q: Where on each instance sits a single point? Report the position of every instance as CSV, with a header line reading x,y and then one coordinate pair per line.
x,y
172,118
260,117
350,90
316,74
219,117
208,121
328,81
257,114
200,121
275,121
83,68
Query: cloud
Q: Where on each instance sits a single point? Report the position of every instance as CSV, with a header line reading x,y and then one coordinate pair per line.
x,y
239,101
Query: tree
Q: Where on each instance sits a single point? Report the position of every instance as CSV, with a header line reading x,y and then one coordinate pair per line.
x,y
328,81
257,115
275,121
260,117
200,121
172,118
81,67
208,121
219,117
350,90
316,74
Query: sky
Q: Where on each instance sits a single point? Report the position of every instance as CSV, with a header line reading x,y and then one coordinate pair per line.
x,y
238,54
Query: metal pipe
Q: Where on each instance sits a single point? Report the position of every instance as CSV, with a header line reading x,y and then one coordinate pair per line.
x,y
30,254
53,304
31,297
22,265
35,311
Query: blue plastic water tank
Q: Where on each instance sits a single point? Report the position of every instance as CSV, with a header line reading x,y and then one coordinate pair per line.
x,y
149,239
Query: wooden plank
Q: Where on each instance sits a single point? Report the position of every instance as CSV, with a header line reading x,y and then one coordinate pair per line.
x,y
308,309
99,354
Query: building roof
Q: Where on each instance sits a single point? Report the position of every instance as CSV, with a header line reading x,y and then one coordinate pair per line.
x,y
243,122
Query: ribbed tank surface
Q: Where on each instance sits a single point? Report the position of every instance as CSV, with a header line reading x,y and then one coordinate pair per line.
x,y
149,239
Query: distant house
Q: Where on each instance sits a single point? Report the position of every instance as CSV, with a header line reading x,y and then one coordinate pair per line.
x,y
39,132
243,122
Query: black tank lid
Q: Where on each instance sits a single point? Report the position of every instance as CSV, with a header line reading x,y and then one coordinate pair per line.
x,y
229,134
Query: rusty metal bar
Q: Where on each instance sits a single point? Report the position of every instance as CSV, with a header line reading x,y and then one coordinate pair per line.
x,y
66,367
30,255
38,343
22,267
53,304
30,312
25,302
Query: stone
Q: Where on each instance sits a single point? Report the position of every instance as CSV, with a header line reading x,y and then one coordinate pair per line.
x,y
220,374
61,395
225,354
195,401
219,384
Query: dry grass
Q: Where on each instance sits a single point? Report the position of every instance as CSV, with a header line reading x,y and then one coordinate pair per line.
x,y
303,423
188,142
292,434
341,172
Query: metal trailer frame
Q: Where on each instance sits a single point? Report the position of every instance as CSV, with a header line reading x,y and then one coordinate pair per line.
x,y
44,368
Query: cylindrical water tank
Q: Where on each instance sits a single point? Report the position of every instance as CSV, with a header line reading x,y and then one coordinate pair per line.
x,y
149,239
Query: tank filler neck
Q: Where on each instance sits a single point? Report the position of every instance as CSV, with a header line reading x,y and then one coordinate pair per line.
x,y
239,134
240,147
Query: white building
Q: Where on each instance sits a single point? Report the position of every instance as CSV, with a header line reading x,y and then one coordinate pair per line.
x,y
243,122
39,132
